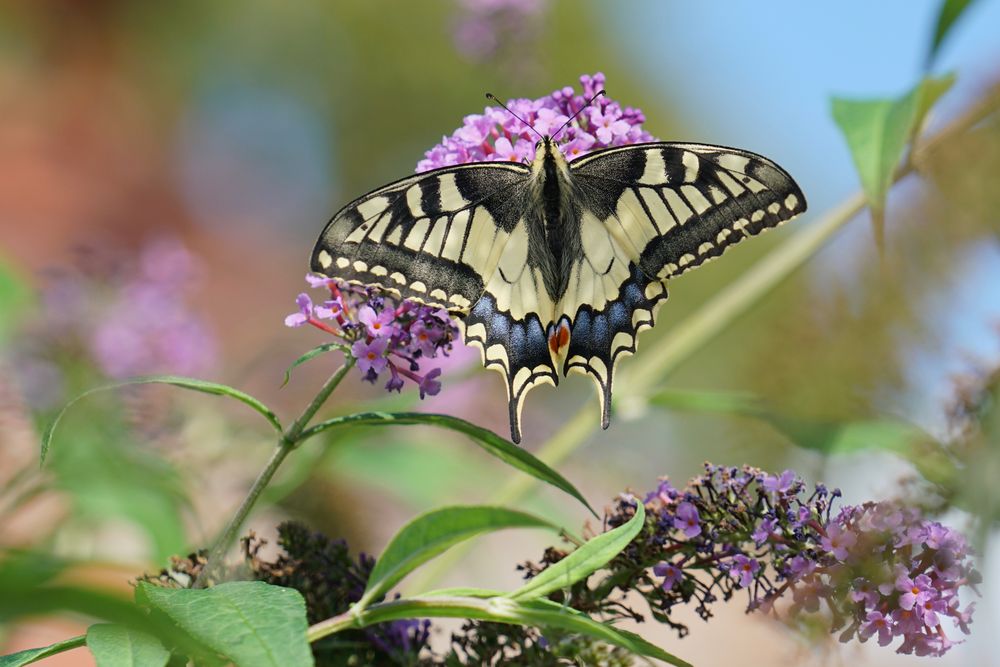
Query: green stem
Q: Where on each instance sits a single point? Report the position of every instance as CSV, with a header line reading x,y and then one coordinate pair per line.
x,y
288,441
689,335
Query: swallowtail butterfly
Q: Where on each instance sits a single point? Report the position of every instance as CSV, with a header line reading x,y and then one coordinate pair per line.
x,y
555,266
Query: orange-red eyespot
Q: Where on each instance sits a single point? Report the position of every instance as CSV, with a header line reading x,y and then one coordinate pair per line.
x,y
559,338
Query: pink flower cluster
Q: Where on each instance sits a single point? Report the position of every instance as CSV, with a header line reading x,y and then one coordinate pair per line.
x,y
382,337
496,135
880,569
910,571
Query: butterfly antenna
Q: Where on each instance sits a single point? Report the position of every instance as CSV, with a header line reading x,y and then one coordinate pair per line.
x,y
579,111
492,97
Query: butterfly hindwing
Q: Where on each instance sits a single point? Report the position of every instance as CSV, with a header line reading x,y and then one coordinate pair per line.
x,y
435,237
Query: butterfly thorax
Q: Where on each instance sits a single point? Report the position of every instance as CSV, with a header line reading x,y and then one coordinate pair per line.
x,y
554,221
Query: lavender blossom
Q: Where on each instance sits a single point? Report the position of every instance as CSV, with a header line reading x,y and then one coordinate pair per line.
x,y
495,135
381,336
484,25
872,570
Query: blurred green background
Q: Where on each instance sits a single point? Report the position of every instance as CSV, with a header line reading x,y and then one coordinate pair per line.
x,y
165,168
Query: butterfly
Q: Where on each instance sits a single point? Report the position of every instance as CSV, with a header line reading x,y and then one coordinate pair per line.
x,y
555,267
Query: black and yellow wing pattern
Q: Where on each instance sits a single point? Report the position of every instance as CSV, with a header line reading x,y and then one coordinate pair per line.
x,y
552,271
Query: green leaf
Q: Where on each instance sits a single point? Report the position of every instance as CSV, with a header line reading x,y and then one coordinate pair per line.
x,y
587,558
31,655
14,297
107,478
950,11
433,533
850,437
177,381
118,646
249,622
421,472
499,447
539,613
311,354
23,601
827,436
725,402
877,132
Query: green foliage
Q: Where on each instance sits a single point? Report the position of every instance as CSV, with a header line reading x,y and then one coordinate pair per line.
x,y
586,559
431,534
247,622
540,613
877,132
31,655
824,436
492,443
183,382
13,299
949,14
118,646
108,477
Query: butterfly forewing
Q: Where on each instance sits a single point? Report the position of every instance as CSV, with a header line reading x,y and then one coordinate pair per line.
x,y
436,237
682,204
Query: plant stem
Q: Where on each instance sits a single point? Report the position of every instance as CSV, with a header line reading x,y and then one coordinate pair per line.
x,y
288,441
689,335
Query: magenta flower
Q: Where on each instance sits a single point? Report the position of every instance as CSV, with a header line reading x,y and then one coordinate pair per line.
x,y
875,622
608,126
763,532
305,305
497,135
686,520
914,591
738,528
380,335
671,574
378,324
862,590
370,356
515,153
743,569
429,384
838,541
424,337
780,483
578,146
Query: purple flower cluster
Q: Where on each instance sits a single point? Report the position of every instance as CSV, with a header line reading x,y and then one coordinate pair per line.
x,y
905,575
876,569
148,326
378,334
495,135
120,315
484,24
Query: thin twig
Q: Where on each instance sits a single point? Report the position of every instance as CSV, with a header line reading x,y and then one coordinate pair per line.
x,y
286,443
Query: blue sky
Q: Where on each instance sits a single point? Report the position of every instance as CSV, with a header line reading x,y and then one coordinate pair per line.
x,y
759,74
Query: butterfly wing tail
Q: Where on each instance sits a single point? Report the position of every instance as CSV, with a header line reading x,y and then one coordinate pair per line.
x,y
518,349
598,338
